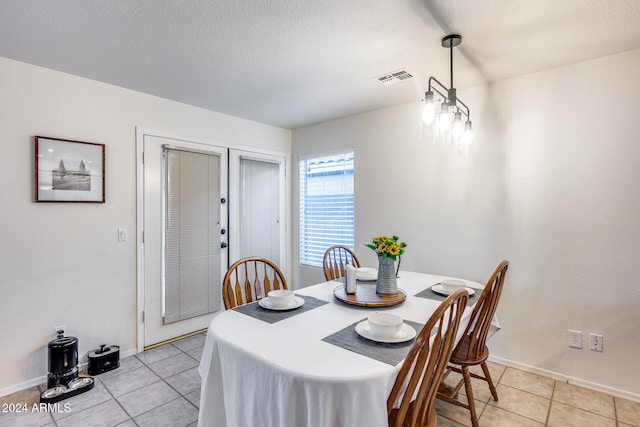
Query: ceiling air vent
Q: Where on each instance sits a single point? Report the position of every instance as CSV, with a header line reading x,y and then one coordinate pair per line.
x,y
394,78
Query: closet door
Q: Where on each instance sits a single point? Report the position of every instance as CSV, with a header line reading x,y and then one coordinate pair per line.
x,y
257,225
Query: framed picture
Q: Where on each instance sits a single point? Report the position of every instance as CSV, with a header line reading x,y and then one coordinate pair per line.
x,y
68,171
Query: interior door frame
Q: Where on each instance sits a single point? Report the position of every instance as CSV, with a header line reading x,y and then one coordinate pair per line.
x,y
140,266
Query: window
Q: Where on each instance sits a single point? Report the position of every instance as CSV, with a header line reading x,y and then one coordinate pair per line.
x,y
326,206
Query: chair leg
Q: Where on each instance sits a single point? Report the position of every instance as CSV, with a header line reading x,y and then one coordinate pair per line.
x,y
487,375
467,387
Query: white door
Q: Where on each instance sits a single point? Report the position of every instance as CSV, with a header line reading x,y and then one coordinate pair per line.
x,y
257,206
160,321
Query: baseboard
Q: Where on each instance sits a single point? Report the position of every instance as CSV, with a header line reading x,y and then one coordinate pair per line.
x,y
34,382
568,379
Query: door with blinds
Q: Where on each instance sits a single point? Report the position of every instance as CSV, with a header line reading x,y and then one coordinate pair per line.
x,y
257,207
185,222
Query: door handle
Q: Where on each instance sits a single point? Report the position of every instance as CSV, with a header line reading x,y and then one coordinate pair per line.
x,y
223,245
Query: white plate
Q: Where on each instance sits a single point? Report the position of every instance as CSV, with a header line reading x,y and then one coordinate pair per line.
x,y
406,333
438,289
366,273
295,303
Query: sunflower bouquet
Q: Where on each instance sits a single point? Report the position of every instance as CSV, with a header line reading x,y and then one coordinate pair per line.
x,y
387,246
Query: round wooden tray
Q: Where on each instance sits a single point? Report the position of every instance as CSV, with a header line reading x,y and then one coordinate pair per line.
x,y
366,296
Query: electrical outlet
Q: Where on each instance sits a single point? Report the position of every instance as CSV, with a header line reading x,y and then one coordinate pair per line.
x,y
575,339
596,342
62,328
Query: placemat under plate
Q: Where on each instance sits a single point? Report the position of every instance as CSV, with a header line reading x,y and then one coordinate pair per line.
x,y
390,353
253,309
429,294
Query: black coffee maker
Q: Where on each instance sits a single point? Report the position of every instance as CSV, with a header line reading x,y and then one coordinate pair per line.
x,y
63,380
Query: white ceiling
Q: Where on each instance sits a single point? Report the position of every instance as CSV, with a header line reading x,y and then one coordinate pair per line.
x,y
290,63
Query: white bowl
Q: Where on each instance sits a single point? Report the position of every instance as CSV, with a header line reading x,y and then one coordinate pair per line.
x,y
385,325
452,285
366,273
280,297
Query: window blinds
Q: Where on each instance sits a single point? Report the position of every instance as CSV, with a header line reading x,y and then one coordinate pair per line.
x,y
259,209
191,237
326,206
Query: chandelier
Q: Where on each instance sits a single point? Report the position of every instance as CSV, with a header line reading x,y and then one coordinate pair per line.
x,y
447,115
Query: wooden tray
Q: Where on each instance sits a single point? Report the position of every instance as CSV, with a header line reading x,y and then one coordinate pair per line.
x,y
366,296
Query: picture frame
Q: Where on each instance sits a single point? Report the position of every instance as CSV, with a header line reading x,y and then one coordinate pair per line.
x,y
68,171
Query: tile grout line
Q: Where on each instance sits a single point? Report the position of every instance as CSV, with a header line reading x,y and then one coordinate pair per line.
x,y
180,395
499,382
118,402
553,392
185,397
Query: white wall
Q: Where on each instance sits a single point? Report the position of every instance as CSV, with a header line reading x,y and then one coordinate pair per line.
x,y
61,264
553,185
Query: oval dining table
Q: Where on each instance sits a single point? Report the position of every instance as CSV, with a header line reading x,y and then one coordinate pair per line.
x,y
308,366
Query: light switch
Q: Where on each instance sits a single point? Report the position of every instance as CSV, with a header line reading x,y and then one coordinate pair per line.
x,y
122,235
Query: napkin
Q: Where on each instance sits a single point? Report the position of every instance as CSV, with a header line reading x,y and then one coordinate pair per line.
x,y
350,279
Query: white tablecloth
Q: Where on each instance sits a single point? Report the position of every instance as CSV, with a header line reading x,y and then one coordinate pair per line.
x,y
282,374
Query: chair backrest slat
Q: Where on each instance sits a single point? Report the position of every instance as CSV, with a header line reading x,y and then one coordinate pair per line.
x,y
250,279
267,282
257,284
248,294
238,291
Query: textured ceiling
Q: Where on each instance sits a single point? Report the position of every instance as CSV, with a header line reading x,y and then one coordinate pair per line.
x,y
291,63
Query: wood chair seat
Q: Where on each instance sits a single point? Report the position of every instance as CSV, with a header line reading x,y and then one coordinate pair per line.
x,y
450,393
462,356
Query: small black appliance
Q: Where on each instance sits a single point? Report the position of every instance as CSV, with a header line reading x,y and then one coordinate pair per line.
x,y
63,380
63,360
104,359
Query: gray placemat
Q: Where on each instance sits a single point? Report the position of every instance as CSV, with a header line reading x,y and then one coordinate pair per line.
x,y
272,316
390,353
429,294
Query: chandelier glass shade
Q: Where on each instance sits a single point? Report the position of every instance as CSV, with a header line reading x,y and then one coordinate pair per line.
x,y
447,115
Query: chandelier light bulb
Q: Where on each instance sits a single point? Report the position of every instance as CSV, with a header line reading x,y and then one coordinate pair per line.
x,y
428,112
467,136
445,119
458,126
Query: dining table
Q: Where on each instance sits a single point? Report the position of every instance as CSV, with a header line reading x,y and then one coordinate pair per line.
x,y
309,366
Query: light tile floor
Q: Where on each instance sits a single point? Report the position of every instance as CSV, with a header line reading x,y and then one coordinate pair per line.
x,y
161,387
527,399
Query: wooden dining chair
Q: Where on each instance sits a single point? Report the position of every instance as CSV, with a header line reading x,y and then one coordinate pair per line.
x,y
472,349
250,279
425,365
336,259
